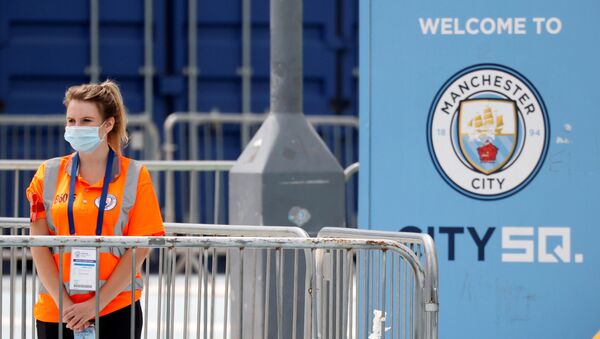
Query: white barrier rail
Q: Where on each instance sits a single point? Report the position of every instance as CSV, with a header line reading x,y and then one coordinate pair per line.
x,y
212,177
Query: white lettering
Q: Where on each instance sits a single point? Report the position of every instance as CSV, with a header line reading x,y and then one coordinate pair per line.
x,y
538,24
525,242
488,26
447,26
520,26
457,29
470,28
553,26
429,26
525,245
562,251
505,25
491,26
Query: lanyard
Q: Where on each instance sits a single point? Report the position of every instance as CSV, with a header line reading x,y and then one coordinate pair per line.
x,y
102,203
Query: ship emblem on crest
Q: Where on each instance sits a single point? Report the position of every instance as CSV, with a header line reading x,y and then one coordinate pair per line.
x,y
487,132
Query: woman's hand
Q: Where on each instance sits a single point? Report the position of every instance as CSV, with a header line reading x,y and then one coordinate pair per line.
x,y
78,316
46,266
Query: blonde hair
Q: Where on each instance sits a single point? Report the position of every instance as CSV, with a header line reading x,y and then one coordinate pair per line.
x,y
109,101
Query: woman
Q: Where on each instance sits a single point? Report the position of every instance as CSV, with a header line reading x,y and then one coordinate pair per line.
x,y
94,191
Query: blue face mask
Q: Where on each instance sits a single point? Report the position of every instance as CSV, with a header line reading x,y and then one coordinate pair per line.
x,y
83,138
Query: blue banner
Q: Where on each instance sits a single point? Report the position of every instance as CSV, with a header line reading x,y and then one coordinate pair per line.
x,y
479,126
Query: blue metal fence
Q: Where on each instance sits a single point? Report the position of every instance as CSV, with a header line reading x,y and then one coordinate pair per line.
x,y
47,46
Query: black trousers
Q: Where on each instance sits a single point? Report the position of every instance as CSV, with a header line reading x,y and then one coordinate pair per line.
x,y
114,325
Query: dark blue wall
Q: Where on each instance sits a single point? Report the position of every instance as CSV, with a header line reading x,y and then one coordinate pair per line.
x,y
44,48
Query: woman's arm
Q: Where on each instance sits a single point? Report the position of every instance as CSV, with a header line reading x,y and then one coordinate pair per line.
x,y
46,267
77,315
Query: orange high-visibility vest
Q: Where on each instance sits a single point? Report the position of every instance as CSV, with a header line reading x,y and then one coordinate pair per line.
x,y
131,209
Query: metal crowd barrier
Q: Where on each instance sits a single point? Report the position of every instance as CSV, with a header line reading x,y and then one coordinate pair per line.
x,y
15,176
424,249
40,136
216,135
366,287
338,132
211,177
188,136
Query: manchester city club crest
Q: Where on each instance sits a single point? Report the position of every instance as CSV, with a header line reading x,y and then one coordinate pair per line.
x,y
488,131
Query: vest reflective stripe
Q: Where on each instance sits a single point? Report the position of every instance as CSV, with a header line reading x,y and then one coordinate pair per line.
x,y
129,195
139,284
50,177
128,199
117,251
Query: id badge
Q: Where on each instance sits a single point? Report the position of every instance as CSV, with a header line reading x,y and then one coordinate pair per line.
x,y
83,269
88,333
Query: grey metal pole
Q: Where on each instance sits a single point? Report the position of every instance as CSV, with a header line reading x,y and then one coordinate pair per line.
x,y
192,71
246,69
148,69
286,56
192,68
94,68
148,72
